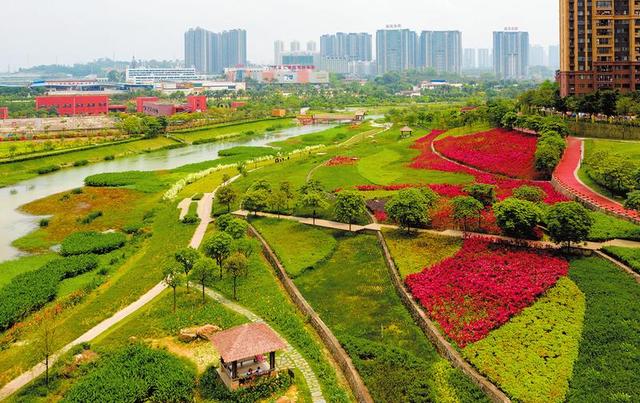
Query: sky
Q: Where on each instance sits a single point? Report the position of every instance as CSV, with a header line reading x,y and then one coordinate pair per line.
x,y
75,31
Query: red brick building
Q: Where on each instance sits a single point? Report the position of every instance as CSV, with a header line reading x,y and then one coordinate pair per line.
x,y
4,113
140,101
196,103
158,109
73,105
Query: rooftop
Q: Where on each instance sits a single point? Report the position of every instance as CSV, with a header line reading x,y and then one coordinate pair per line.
x,y
246,341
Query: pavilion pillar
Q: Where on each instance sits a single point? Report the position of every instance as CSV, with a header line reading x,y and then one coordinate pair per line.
x,y
234,370
272,360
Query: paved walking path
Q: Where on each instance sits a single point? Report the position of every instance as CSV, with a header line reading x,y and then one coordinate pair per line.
x,y
290,358
449,233
566,175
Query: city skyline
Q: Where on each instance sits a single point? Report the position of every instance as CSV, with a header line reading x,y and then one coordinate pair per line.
x,y
97,40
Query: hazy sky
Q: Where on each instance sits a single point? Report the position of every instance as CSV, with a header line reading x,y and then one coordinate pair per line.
x,y
68,31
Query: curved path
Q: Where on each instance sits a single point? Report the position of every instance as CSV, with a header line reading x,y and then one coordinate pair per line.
x,y
291,357
566,177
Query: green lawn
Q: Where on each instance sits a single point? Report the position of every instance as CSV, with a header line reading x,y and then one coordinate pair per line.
x,y
607,227
608,364
413,253
232,130
629,256
353,294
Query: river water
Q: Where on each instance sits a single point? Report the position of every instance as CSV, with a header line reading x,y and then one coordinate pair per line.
x,y
14,224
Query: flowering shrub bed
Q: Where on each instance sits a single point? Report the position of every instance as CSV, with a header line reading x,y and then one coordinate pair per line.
x,y
339,160
484,285
500,151
505,186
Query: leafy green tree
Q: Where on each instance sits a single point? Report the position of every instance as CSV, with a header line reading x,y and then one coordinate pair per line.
x,y
261,185
236,265
278,201
633,201
530,193
131,125
202,273
313,196
218,247
237,228
246,246
173,278
409,208
517,218
226,195
256,200
509,120
349,207
485,194
466,208
569,222
187,257
287,190
241,167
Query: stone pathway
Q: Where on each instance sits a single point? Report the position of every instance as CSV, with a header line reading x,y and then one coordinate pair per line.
x,y
291,358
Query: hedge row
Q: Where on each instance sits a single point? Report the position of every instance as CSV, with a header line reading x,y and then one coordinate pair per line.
x,y
29,291
549,151
115,179
81,243
136,374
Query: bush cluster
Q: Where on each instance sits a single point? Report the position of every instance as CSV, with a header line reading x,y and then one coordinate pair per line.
x,y
616,173
549,151
136,374
30,291
192,216
92,242
47,169
212,388
115,179
89,218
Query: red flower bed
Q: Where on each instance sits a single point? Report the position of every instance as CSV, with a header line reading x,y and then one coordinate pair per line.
x,y
430,160
483,286
444,190
336,161
499,151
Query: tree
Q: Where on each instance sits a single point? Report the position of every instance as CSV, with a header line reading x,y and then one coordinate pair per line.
x,y
226,195
530,193
278,201
485,194
218,247
187,257
237,228
465,208
46,336
409,208
633,201
285,188
517,218
202,273
241,167
173,279
349,207
237,265
246,246
256,200
569,222
313,196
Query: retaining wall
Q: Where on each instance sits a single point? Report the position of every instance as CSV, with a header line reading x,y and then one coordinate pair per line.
x,y
340,356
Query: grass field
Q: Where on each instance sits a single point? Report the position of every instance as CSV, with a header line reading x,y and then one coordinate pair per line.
x,y
18,171
629,256
352,292
233,130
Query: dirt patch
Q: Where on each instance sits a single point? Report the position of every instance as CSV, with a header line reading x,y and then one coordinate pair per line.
x,y
201,353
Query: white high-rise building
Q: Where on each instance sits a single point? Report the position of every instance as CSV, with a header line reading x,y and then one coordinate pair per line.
x,y
295,46
537,56
511,54
278,50
312,47
484,59
469,59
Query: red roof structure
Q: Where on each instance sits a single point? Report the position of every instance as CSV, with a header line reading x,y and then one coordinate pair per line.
x,y
246,341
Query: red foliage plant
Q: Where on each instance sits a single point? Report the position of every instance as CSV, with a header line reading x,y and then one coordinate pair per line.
x,y
339,160
484,285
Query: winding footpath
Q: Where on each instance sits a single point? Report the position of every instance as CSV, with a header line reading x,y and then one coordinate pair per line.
x,y
290,358
566,177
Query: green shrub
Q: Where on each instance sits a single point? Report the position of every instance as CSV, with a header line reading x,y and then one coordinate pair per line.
x,y
77,191
212,388
549,151
44,223
116,179
92,242
197,196
530,193
613,172
47,169
531,357
192,216
81,163
223,221
72,266
628,256
485,194
109,157
91,217
133,229
237,228
517,218
136,374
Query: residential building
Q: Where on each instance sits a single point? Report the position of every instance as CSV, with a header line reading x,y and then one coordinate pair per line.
x,y
147,75
353,46
484,59
312,47
210,52
511,54
441,50
278,50
396,49
74,105
537,56
554,57
336,65
299,58
469,59
295,46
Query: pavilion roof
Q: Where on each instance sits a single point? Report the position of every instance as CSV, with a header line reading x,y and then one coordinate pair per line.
x,y
406,129
246,341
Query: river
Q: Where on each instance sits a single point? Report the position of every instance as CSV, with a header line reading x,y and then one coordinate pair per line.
x,y
14,224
